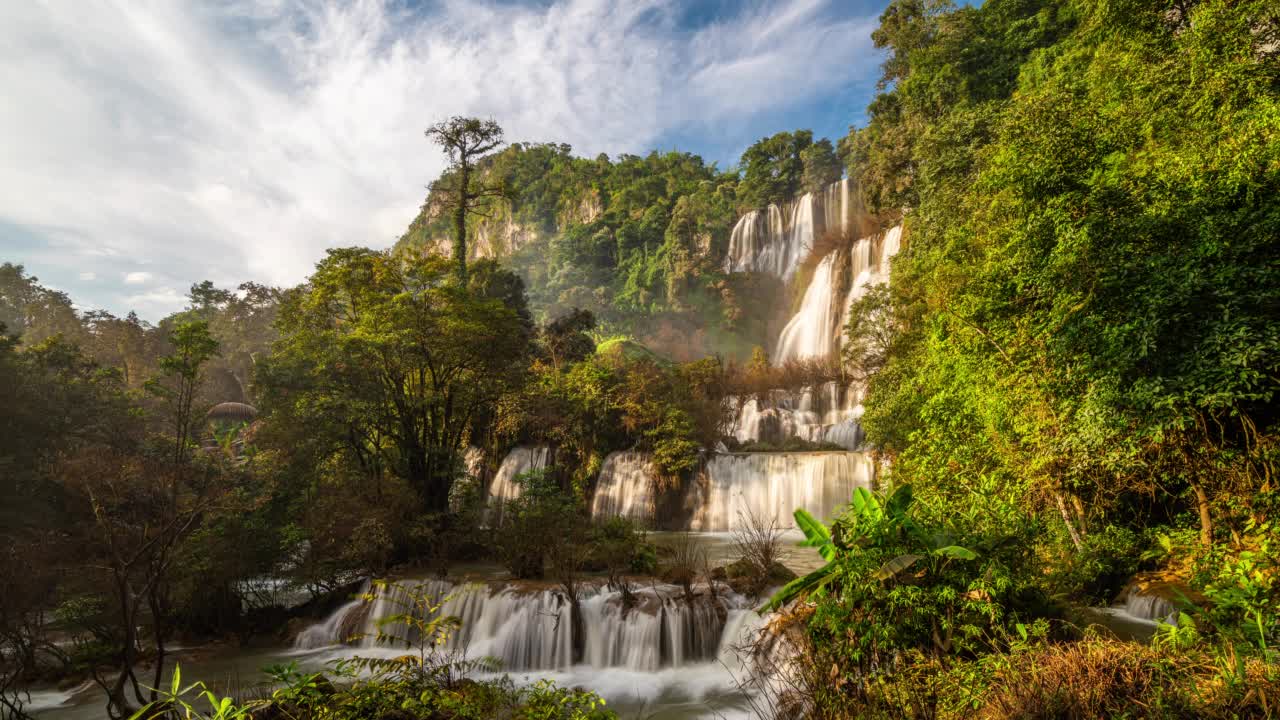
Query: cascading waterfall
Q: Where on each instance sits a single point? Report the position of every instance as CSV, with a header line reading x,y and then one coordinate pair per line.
x,y
625,487
813,331
817,328
1148,606
827,413
869,264
504,486
774,240
771,486
529,629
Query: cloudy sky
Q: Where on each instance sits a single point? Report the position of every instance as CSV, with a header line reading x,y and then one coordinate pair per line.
x,y
147,144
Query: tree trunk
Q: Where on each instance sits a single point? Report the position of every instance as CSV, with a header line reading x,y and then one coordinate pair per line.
x,y
460,221
158,627
1066,519
1206,522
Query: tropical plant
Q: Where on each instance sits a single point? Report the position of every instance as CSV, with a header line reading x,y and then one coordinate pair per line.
x,y
173,703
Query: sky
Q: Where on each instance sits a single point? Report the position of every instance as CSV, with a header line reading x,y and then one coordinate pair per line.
x,y
149,145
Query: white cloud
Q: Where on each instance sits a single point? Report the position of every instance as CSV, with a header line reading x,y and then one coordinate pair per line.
x,y
137,278
88,276
238,140
156,302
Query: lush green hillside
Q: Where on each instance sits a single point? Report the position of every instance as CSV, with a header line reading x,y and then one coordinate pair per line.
x,y
638,241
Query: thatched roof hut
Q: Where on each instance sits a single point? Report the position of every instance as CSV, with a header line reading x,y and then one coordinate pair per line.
x,y
232,412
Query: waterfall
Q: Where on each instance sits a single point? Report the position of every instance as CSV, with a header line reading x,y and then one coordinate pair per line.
x,y
625,488
869,265
828,413
529,628
813,331
1149,607
773,485
342,626
817,328
504,487
774,240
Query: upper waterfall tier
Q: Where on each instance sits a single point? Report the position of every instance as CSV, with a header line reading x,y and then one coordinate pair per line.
x,y
625,487
771,486
817,328
776,239
826,413
814,330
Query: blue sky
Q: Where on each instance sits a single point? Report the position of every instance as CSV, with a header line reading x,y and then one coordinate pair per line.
x,y
152,144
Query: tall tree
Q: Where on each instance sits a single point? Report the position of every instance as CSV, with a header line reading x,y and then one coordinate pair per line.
x,y
772,169
465,140
393,359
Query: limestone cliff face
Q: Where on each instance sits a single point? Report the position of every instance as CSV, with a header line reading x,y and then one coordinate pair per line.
x,y
497,236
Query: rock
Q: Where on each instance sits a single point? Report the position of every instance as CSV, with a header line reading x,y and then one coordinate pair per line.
x,y
746,579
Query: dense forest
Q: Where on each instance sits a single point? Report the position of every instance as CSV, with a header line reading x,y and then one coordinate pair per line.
x,y
572,375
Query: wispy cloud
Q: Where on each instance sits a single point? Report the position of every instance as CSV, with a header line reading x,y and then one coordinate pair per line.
x,y
238,140
137,278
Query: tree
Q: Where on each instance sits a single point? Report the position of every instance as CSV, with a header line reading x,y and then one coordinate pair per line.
x,y
772,169
193,347
465,140
389,358
821,166
32,311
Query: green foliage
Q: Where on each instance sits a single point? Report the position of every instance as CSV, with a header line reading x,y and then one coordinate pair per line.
x,y
388,360
774,170
1100,569
895,584
621,547
1083,312
535,523
173,703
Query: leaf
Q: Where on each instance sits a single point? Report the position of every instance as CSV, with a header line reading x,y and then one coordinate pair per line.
x,y
812,527
809,583
177,680
863,502
895,566
956,552
899,501
816,534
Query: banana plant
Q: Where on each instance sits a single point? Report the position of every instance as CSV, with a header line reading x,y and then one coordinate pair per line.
x,y
816,535
868,520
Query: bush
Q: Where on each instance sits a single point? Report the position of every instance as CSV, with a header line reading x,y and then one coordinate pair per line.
x,y
1097,572
533,523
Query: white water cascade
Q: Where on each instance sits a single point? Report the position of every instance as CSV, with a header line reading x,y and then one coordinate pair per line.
x,y
778,238
773,485
342,626
625,488
774,240
504,486
817,328
531,628
826,413
814,330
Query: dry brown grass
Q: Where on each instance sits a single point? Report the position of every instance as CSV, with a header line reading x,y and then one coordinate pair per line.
x,y
1108,679
1090,679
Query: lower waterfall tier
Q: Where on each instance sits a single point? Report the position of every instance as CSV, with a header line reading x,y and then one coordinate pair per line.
x,y
530,629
